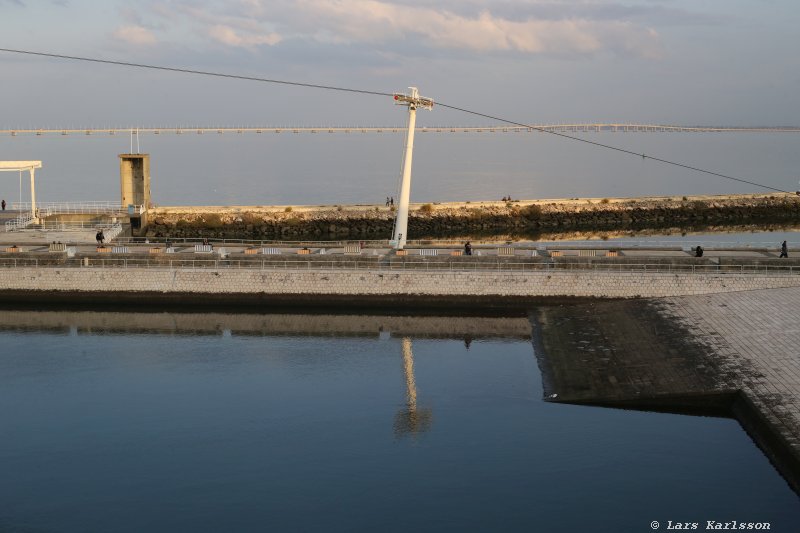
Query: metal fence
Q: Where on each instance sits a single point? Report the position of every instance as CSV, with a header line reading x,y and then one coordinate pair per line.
x,y
476,243
21,221
88,207
409,266
110,230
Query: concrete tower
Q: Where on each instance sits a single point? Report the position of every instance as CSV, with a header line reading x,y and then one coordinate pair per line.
x,y
134,176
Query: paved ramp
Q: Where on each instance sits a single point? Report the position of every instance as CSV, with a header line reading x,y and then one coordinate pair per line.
x,y
758,334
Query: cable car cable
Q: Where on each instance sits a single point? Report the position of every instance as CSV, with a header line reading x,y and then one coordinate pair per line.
x,y
379,93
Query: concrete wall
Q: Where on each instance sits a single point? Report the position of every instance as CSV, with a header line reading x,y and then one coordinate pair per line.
x,y
371,284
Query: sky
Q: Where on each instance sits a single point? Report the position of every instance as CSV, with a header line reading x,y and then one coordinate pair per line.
x,y
670,61
689,62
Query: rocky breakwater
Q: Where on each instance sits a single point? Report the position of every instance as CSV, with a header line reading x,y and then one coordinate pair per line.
x,y
432,220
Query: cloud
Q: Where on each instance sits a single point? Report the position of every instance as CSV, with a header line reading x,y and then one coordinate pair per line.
x,y
526,27
649,13
62,3
381,21
137,35
231,37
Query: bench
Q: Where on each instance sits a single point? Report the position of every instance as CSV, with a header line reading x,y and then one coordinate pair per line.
x,y
155,250
271,251
13,249
169,250
120,250
57,247
352,249
203,249
401,252
556,253
587,253
457,252
103,250
428,251
303,251
251,251
612,253
505,251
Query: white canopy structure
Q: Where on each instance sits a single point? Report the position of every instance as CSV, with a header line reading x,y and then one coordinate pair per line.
x,y
20,166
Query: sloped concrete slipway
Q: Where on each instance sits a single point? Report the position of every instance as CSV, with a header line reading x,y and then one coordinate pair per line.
x,y
757,335
733,354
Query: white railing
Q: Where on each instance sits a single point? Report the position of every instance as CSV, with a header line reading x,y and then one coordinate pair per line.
x,y
82,225
109,230
112,231
23,220
91,207
412,266
707,244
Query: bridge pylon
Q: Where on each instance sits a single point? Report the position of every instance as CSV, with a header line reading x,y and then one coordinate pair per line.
x,y
412,101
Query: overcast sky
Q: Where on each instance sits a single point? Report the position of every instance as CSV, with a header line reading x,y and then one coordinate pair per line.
x,y
670,61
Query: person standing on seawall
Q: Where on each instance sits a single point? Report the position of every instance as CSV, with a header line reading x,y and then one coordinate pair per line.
x,y
784,250
3,203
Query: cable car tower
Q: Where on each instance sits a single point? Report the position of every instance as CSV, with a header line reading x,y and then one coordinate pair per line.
x,y
413,101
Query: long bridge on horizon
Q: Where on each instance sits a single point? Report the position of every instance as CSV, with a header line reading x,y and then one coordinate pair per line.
x,y
595,127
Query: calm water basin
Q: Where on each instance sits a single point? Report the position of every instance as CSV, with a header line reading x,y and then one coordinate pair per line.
x,y
207,427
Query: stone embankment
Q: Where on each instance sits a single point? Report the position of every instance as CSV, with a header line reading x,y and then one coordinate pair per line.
x,y
417,288
433,220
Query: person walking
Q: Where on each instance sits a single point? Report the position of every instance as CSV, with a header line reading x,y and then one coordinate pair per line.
x,y
698,252
784,250
3,203
100,237
467,248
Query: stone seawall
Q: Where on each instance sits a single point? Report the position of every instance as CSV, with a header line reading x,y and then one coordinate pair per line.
x,y
473,218
354,287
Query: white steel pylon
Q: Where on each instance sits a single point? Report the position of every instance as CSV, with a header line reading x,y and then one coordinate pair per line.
x,y
413,101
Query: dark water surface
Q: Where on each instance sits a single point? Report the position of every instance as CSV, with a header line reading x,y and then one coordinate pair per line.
x,y
121,428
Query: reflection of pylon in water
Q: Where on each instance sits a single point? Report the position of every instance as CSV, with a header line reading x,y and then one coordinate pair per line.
x,y
411,419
